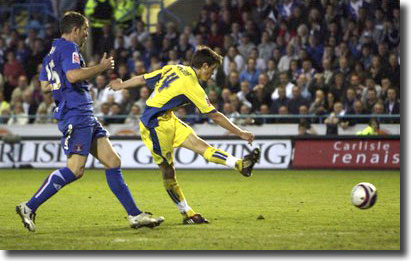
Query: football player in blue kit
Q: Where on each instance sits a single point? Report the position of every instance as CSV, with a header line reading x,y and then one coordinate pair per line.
x,y
65,74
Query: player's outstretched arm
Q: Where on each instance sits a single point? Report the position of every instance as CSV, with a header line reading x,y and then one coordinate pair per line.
x,y
82,74
224,122
135,81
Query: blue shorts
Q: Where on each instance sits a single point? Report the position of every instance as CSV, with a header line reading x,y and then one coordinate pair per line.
x,y
78,136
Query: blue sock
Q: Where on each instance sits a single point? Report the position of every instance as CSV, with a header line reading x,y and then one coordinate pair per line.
x,y
53,183
120,189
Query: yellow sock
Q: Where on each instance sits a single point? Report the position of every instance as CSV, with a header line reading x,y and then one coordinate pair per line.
x,y
239,165
221,157
176,194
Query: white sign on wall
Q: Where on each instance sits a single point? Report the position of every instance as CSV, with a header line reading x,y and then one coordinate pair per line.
x,y
134,154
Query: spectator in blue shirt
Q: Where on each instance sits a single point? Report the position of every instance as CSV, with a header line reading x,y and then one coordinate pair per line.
x,y
250,74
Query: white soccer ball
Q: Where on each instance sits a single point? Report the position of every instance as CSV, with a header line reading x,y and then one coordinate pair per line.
x,y
364,195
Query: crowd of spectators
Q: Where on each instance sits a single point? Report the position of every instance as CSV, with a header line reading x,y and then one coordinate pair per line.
x,y
281,57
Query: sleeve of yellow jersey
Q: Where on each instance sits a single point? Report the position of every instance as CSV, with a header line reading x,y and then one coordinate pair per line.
x,y
197,95
152,78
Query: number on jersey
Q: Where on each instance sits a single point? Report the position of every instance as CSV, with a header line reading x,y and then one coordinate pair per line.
x,y
52,76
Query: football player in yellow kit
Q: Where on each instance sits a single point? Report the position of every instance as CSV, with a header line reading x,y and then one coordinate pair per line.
x,y
161,131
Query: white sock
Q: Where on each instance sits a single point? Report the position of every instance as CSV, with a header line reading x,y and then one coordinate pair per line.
x,y
230,161
183,207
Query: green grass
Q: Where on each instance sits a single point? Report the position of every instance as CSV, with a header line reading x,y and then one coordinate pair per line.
x,y
301,209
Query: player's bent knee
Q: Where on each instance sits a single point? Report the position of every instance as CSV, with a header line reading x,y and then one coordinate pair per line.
x,y
167,170
78,171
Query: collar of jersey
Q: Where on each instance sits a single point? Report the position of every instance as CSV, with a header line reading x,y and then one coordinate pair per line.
x,y
64,39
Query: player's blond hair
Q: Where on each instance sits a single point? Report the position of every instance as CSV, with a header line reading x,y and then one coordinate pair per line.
x,y
205,54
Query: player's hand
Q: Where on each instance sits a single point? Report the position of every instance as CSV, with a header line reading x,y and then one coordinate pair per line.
x,y
247,136
107,62
116,85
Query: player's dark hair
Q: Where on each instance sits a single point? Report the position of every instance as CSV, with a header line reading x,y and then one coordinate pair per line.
x,y
70,21
203,55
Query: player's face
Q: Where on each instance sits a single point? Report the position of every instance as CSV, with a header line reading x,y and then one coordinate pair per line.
x,y
83,34
206,71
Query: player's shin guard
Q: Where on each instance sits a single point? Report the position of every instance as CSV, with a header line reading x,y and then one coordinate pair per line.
x,y
221,157
120,189
177,196
53,183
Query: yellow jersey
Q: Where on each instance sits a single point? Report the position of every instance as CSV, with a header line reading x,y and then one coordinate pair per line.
x,y
173,85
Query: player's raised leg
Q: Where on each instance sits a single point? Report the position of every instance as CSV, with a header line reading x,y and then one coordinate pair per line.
x,y
244,166
105,153
51,185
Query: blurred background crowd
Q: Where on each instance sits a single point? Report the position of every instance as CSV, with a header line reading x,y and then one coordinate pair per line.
x,y
314,61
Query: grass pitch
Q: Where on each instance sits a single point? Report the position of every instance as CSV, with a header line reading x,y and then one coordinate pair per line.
x,y
277,210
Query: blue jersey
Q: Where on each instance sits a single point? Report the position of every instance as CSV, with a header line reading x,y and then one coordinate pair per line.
x,y
72,99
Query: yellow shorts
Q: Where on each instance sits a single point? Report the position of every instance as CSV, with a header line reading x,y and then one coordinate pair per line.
x,y
169,134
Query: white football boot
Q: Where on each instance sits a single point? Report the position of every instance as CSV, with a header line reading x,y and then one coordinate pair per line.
x,y
145,219
27,216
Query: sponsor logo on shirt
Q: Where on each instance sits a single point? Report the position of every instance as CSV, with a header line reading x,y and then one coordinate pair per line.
x,y
76,58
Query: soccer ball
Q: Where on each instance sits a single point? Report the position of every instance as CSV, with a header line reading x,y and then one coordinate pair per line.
x,y
364,195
